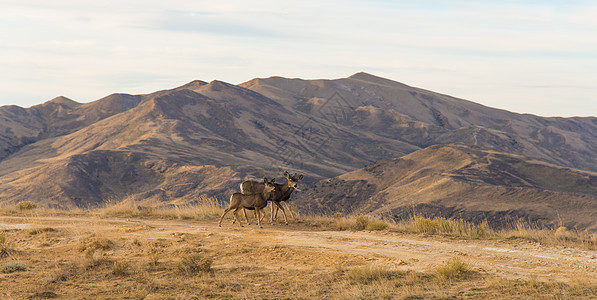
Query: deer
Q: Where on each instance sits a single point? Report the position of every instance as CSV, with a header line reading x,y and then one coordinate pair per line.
x,y
280,194
255,201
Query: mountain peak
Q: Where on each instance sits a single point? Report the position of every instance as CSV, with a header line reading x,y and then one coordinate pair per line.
x,y
362,76
193,84
63,100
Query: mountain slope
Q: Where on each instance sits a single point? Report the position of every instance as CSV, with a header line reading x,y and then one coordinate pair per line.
x,y
423,118
467,182
67,154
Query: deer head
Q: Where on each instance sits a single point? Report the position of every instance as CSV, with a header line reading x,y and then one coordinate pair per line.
x,y
292,180
269,185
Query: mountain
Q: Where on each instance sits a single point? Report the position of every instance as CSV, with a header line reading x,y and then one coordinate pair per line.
x,y
459,181
202,139
423,118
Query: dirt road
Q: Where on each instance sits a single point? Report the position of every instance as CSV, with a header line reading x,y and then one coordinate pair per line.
x,y
300,243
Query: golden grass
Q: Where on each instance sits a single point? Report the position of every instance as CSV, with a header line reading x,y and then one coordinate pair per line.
x,y
454,268
204,209
443,226
26,205
12,267
211,209
368,274
194,264
102,262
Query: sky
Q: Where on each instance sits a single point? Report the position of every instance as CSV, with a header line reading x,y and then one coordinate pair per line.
x,y
531,56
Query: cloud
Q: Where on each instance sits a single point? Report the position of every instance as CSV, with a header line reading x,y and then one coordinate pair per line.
x,y
213,24
496,53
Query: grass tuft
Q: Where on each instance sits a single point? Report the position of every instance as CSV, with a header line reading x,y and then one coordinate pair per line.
x,y
369,274
454,268
377,225
5,249
26,205
12,267
443,226
194,264
95,243
41,230
121,268
361,222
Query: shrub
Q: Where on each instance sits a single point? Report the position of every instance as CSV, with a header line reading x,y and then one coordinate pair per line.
x,y
562,233
342,223
26,205
12,267
377,225
361,222
64,272
120,268
194,264
96,243
453,268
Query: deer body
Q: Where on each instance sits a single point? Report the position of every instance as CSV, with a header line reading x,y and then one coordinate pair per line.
x,y
255,201
280,194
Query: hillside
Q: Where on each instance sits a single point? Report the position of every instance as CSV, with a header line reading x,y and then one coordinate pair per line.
x,y
202,139
423,118
459,181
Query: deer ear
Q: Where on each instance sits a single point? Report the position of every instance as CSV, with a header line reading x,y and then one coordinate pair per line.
x,y
264,179
300,177
286,174
273,180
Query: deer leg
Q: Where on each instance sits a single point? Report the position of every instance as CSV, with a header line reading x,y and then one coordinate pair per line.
x,y
290,210
272,215
262,215
246,219
258,212
236,217
234,221
255,214
222,217
278,204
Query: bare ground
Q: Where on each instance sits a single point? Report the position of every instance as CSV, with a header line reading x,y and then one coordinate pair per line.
x,y
278,261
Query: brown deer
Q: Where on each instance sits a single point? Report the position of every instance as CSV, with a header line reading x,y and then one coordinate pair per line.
x,y
280,194
255,201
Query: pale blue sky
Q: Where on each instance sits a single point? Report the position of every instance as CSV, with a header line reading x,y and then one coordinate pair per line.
x,y
535,57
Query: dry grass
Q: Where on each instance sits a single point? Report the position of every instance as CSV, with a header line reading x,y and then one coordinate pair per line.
x,y
194,264
204,209
443,226
109,261
211,209
551,237
454,268
26,205
368,274
5,249
12,267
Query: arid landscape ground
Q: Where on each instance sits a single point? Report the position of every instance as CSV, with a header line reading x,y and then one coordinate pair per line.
x,y
404,194
120,254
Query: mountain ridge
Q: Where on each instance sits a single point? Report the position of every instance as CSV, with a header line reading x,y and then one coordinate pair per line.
x,y
321,128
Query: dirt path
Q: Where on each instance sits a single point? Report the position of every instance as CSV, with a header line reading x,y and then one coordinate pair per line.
x,y
508,259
